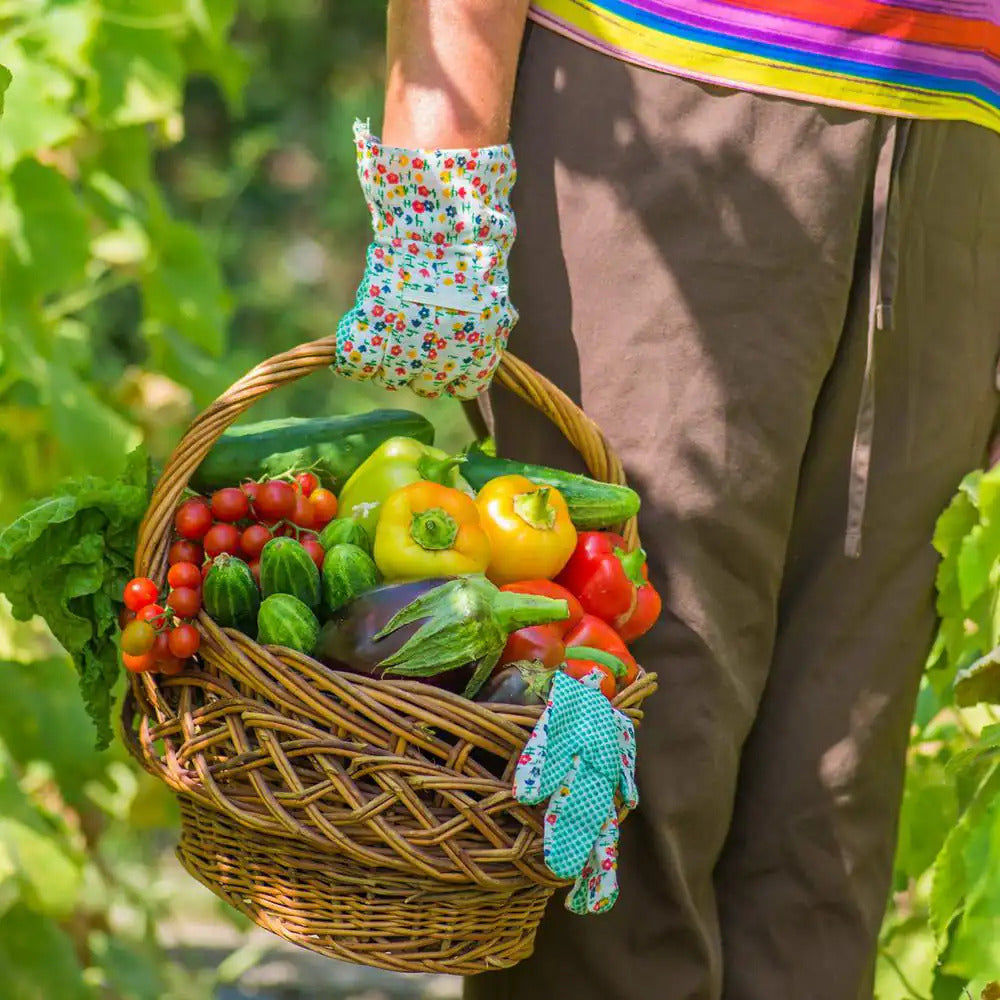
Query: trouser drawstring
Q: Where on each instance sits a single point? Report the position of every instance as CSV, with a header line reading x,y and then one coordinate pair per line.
x,y
882,278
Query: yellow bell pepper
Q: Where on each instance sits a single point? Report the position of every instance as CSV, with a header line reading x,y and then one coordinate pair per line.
x,y
427,530
529,528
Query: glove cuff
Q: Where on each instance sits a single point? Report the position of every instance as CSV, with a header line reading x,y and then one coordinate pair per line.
x,y
437,196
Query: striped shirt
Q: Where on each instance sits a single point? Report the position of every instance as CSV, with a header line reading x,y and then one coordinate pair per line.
x,y
915,58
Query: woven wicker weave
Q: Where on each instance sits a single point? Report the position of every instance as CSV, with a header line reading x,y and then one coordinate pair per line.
x,y
368,820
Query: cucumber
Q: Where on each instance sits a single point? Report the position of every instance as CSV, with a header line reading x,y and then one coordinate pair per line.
x,y
331,447
591,504
286,568
348,572
345,531
230,593
283,620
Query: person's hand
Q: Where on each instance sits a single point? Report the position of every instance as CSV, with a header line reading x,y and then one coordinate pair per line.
x,y
432,311
580,754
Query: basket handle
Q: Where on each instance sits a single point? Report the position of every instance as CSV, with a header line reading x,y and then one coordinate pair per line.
x,y
207,427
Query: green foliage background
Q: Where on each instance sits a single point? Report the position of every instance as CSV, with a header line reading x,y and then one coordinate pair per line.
x,y
177,202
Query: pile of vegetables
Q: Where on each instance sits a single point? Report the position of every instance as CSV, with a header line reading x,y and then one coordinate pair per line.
x,y
483,590
353,540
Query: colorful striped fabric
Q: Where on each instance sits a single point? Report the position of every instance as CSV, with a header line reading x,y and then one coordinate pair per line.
x,y
917,58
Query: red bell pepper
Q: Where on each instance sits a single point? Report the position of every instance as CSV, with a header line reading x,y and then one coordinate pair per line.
x,y
648,606
600,635
543,643
604,575
583,660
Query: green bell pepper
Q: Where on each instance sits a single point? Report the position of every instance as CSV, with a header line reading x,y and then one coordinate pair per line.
x,y
391,466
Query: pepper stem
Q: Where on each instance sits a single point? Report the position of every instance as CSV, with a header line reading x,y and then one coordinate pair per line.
x,y
606,659
535,510
434,529
438,470
632,562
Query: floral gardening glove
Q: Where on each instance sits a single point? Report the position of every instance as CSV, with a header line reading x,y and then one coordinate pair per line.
x,y
581,752
432,310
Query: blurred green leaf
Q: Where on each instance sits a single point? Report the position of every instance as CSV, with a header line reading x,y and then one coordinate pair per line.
x,y
37,961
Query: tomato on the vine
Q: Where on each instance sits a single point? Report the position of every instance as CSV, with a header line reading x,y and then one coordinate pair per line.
x,y
125,616
193,519
222,538
230,504
184,641
250,489
316,551
138,638
254,539
324,505
306,482
184,574
161,647
152,613
304,515
171,666
138,664
184,550
185,602
140,592
275,501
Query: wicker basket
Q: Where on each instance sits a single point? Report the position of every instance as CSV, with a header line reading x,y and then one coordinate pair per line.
x,y
368,820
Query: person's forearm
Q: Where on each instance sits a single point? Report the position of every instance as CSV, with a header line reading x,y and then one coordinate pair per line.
x,y
451,68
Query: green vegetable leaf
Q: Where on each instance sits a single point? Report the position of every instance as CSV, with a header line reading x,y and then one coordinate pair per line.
x,y
38,960
67,559
979,682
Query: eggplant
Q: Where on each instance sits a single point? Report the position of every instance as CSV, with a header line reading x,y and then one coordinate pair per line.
x,y
347,641
448,632
519,683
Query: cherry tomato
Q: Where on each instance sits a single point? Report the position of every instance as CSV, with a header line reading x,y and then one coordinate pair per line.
x,y
152,613
161,648
304,515
171,666
125,616
185,602
222,538
204,570
306,482
324,505
286,530
254,539
230,504
184,550
138,664
184,641
579,669
184,574
255,569
275,501
311,544
140,592
193,519
138,638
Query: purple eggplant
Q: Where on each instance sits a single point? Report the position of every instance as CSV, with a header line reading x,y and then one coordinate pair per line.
x,y
521,683
447,632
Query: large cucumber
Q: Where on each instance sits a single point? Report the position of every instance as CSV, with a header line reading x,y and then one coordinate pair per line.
x,y
591,504
287,568
332,447
230,594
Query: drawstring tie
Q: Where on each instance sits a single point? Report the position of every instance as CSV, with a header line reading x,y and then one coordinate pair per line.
x,y
882,278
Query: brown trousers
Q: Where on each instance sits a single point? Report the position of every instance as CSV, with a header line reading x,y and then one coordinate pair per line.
x,y
694,265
